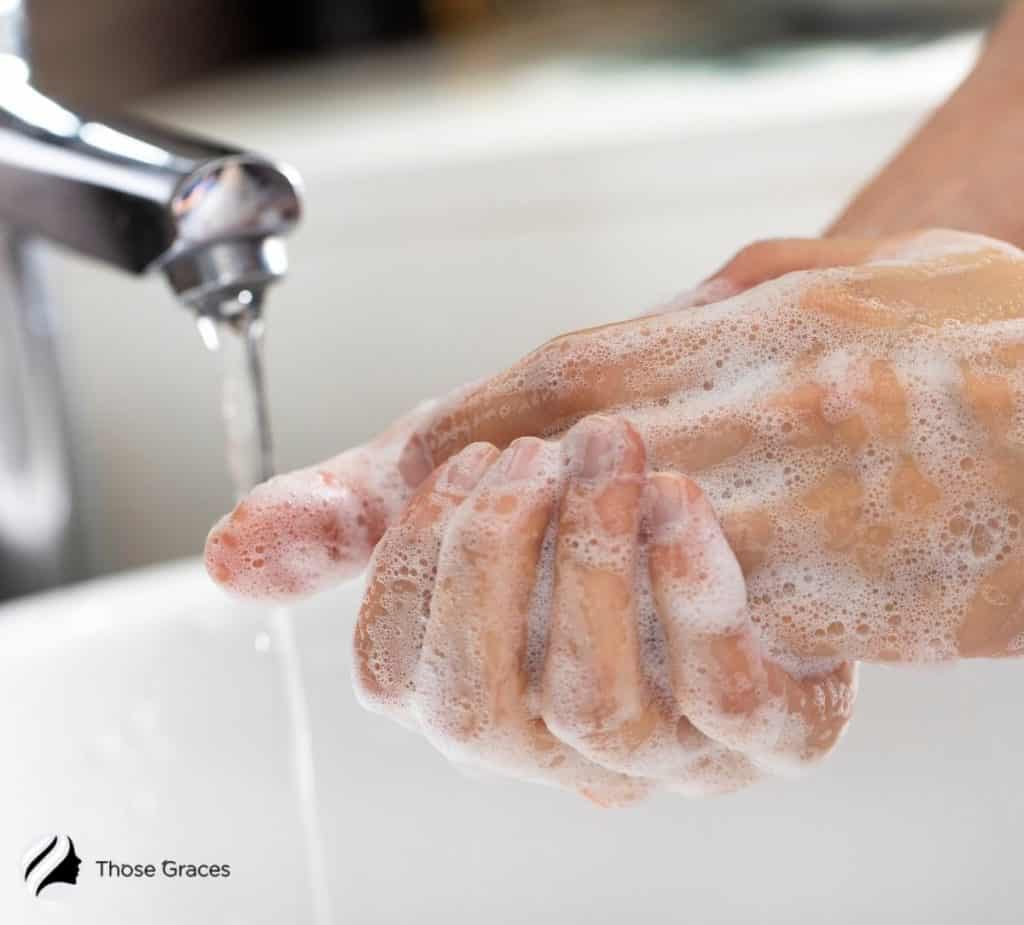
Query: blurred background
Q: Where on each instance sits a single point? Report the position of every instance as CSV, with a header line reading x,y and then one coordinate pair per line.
x,y
160,44
481,175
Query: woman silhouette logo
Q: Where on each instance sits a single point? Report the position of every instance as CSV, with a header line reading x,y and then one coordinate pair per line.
x,y
53,862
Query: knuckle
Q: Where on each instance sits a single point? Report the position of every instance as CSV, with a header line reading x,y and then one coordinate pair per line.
x,y
538,367
596,720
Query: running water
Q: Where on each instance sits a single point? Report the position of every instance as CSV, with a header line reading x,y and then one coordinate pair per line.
x,y
238,336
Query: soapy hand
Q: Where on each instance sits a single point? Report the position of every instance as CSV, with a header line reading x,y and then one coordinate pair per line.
x,y
558,612
582,617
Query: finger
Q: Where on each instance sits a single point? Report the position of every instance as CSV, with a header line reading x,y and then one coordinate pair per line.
x,y
396,605
473,678
769,259
319,525
721,680
601,691
711,768
308,529
595,695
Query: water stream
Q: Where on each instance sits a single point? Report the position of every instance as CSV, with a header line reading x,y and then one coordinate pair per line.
x,y
239,338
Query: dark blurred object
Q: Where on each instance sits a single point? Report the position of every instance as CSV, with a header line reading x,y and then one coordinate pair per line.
x,y
323,25
876,18
108,51
105,51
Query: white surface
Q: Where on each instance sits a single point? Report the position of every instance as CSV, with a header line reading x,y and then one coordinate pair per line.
x,y
452,225
144,716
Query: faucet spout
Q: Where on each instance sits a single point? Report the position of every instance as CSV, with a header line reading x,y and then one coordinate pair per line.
x,y
137,197
143,198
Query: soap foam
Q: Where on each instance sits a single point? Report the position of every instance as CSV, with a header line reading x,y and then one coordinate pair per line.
x,y
876,486
835,433
857,431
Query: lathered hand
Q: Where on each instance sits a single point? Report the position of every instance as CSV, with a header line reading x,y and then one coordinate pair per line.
x,y
559,612
857,428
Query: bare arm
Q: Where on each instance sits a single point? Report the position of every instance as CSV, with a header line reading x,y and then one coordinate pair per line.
x,y
962,168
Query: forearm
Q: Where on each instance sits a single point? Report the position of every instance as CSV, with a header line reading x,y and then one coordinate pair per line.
x,y
961,169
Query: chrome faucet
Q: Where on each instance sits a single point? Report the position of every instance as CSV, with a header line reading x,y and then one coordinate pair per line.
x,y
140,198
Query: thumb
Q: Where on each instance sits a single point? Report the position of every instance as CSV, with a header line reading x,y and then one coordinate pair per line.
x,y
306,530
771,258
309,529
301,532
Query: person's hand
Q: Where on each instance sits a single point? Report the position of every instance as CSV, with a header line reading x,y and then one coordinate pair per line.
x,y
856,429
824,403
559,613
311,528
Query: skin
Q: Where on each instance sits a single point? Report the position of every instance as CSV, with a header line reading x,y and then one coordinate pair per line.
x,y
564,691
957,170
565,588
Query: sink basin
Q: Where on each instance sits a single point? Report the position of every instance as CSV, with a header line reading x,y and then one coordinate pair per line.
x,y
145,716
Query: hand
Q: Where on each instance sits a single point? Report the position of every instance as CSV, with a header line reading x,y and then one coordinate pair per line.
x,y
311,528
559,613
858,539
858,425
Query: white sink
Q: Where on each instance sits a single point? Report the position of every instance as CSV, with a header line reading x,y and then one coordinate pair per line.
x,y
145,716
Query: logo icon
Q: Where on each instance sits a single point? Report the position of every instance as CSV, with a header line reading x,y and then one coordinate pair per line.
x,y
52,861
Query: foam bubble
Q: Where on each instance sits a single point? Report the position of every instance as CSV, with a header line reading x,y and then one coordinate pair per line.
x,y
859,433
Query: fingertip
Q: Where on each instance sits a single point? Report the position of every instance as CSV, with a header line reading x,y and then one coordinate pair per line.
x,y
618,793
395,608
214,553
292,536
818,710
601,445
522,459
464,471
668,498
415,461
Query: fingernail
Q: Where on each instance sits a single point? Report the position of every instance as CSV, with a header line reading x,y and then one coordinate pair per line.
x,y
668,506
415,462
524,458
470,465
595,451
